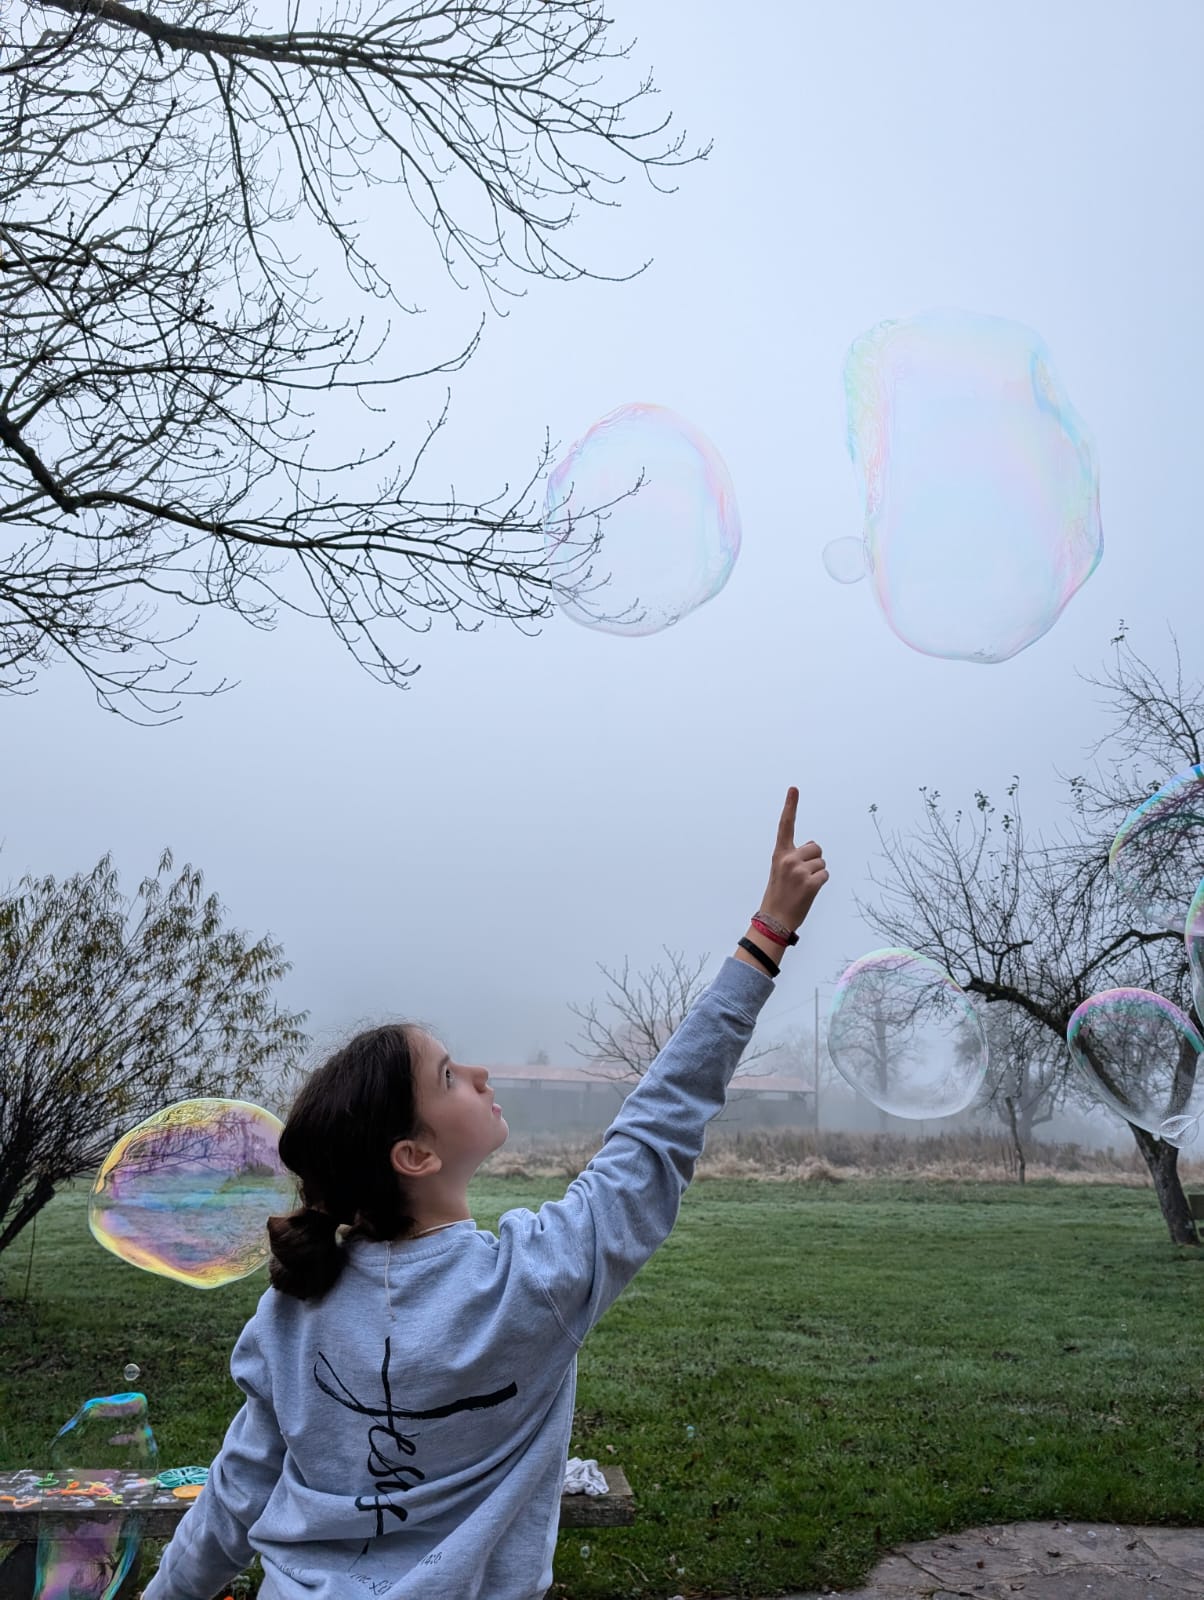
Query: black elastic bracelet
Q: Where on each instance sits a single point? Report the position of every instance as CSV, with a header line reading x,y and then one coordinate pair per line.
x,y
758,954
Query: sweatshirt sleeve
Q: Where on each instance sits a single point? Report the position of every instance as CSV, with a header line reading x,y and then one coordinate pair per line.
x,y
211,1543
588,1246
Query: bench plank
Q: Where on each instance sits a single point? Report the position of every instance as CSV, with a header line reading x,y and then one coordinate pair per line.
x,y
20,1495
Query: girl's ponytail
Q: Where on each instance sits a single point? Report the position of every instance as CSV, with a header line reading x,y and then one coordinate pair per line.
x,y
306,1255
337,1140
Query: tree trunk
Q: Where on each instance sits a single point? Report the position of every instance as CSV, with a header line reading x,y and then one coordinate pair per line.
x,y
1016,1144
39,1195
1163,1161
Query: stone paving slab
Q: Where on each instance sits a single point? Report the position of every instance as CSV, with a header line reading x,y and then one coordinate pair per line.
x,y
1041,1561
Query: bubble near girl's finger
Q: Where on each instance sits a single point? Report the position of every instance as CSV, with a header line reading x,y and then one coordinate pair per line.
x,y
188,1192
1139,1055
1157,857
655,495
981,485
906,1036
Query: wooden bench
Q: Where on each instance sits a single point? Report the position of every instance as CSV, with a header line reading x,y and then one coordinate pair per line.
x,y
20,1497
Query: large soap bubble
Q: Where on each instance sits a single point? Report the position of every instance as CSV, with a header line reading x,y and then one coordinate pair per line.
x,y
188,1192
1139,1055
1157,857
981,486
905,1036
657,495
90,1503
1193,938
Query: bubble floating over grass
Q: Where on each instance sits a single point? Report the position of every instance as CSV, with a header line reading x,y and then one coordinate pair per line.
x,y
1157,857
102,1474
906,1036
655,493
1139,1055
980,482
188,1192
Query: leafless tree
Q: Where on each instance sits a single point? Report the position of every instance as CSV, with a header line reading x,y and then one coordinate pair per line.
x,y
111,1009
622,1034
1026,1078
167,370
1037,923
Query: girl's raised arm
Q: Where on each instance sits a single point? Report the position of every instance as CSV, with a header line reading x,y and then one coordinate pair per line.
x,y
586,1247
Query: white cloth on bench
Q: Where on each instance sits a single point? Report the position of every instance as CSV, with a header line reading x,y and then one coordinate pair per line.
x,y
584,1477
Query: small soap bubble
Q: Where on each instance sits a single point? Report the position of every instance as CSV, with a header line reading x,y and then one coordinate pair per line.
x,y
980,482
657,495
131,1372
844,560
905,1036
1139,1055
188,1192
1157,857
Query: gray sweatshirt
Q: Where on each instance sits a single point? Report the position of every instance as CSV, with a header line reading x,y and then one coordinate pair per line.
x,y
406,1435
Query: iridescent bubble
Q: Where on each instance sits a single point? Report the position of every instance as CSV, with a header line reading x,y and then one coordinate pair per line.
x,y
91,1502
1193,938
1139,1055
657,495
905,1036
981,486
1157,857
188,1192
131,1372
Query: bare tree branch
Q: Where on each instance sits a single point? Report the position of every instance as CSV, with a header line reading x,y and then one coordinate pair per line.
x,y
623,1034
166,371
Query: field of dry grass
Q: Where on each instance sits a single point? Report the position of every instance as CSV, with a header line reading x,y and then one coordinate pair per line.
x,y
800,1156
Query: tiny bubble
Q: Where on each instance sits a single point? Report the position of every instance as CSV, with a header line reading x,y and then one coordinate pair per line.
x,y
131,1372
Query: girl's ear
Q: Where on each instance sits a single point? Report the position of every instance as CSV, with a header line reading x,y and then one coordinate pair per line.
x,y
409,1158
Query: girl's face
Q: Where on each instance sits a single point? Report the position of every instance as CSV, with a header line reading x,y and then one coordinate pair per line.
x,y
456,1105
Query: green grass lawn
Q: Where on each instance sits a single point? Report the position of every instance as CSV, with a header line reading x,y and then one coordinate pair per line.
x,y
801,1378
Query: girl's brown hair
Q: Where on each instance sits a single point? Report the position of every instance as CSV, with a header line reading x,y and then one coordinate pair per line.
x,y
343,1124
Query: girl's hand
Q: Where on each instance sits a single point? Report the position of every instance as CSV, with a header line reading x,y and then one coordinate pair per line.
x,y
797,872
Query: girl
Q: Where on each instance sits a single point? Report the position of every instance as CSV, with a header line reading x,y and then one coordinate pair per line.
x,y
409,1378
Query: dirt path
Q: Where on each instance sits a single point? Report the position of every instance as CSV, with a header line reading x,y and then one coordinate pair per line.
x,y
1042,1561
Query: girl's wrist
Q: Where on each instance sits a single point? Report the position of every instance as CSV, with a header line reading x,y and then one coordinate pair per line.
x,y
783,932
771,952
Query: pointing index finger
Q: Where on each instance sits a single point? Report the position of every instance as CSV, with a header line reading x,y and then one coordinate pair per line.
x,y
786,823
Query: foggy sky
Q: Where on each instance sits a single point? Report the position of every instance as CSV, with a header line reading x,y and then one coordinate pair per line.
x,y
466,851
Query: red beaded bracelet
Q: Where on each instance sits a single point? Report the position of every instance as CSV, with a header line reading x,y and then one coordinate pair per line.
x,y
777,938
